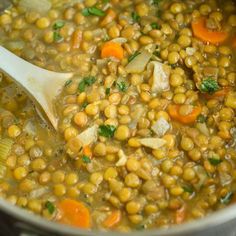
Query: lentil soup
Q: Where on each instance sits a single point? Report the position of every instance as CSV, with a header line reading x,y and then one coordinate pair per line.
x,y
147,129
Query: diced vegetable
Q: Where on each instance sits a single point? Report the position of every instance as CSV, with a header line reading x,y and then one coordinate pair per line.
x,y
106,131
153,143
112,49
86,159
138,64
173,111
202,127
209,85
218,94
202,177
76,39
135,17
131,57
122,86
214,161
160,77
113,219
41,6
93,11
201,119
160,127
39,192
203,33
180,215
227,198
87,151
110,16
88,136
74,213
87,81
122,158
50,207
5,147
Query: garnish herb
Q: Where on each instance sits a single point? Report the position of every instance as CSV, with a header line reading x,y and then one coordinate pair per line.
x,y
92,11
201,119
188,189
84,105
68,82
107,91
50,207
156,2
154,25
135,16
209,85
227,198
57,37
122,86
131,57
87,81
214,161
106,130
86,159
58,25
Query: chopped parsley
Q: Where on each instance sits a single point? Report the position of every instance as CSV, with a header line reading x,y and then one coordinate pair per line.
x,y
188,189
58,25
154,25
87,81
68,82
214,161
131,57
84,105
106,130
107,91
209,85
227,198
122,86
50,207
92,11
135,16
57,37
86,159
201,118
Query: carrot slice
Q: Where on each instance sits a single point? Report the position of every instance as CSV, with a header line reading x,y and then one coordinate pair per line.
x,y
173,111
76,39
87,151
202,32
218,94
112,219
110,16
180,215
112,49
74,213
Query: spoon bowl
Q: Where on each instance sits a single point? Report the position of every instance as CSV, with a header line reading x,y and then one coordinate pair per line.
x,y
42,85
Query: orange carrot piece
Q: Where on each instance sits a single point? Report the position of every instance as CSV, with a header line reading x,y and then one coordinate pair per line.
x,y
76,39
110,16
200,31
87,151
74,213
173,111
112,49
218,94
112,219
180,215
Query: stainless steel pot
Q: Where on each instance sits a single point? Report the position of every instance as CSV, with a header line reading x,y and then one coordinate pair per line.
x,y
222,223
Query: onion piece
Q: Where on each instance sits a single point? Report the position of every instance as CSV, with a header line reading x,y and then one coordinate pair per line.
x,y
88,136
41,6
138,64
190,51
203,128
225,179
202,175
119,40
160,127
137,111
153,143
160,78
122,158
38,192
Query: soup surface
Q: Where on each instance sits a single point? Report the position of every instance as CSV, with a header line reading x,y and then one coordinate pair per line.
x,y
146,135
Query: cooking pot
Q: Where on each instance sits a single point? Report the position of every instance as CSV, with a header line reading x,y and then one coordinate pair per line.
x,y
222,222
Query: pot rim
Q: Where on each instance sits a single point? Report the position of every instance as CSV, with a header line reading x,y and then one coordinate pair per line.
x,y
215,219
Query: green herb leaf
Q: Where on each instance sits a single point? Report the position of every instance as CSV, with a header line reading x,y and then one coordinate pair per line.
x,y
122,86
50,207
57,37
84,105
214,161
188,189
58,25
68,82
86,159
87,81
201,118
209,85
106,130
227,198
135,16
92,11
154,25
131,57
108,91
156,2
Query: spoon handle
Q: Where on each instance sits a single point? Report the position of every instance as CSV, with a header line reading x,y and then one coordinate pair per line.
x,y
41,84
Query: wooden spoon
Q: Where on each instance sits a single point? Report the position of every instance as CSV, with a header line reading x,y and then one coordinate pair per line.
x,y
42,85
